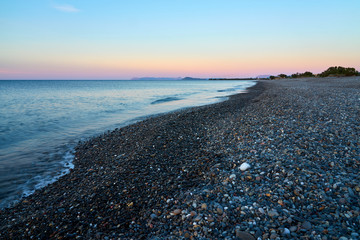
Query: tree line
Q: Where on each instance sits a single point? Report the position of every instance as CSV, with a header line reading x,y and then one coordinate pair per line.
x,y
336,71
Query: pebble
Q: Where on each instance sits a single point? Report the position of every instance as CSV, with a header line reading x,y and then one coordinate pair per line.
x,y
176,212
204,206
219,210
351,192
261,210
243,235
273,236
342,200
273,213
355,235
286,231
293,228
244,166
306,225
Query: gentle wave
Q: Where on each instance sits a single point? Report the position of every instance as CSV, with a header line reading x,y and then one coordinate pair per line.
x,y
227,90
167,99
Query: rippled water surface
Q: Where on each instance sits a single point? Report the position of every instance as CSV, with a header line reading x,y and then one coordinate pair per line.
x,y
41,121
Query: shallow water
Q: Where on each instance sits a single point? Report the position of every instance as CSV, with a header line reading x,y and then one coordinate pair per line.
x,y
42,121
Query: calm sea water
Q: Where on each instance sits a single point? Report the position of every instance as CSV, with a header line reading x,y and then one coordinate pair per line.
x,y
41,121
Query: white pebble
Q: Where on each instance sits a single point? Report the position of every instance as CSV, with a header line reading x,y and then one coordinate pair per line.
x,y
261,210
286,231
244,166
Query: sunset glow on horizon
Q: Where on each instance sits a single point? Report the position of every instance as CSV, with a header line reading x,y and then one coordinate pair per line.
x,y
49,39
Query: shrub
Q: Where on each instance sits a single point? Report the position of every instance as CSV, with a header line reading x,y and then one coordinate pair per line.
x,y
302,75
339,71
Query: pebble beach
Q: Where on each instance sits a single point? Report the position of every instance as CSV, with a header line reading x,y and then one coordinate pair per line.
x,y
278,162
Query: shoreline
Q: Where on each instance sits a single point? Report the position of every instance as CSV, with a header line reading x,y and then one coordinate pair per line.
x,y
177,175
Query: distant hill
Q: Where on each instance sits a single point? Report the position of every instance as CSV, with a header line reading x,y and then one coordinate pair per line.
x,y
232,79
156,78
263,76
167,78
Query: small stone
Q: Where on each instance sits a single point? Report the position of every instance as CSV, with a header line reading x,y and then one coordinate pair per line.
x,y
343,238
286,231
342,200
204,206
244,166
293,228
210,219
261,210
273,236
258,234
243,235
232,177
306,225
219,210
176,212
354,235
351,192
273,213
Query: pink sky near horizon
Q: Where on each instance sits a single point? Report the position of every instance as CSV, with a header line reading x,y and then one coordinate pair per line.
x,y
209,68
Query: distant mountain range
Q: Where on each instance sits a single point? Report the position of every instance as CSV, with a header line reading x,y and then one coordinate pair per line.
x,y
156,78
168,79
263,76
192,78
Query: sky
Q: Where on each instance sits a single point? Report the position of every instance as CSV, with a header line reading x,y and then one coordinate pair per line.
x,y
122,39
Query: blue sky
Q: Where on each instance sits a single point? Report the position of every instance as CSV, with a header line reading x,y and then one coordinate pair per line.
x,y
110,39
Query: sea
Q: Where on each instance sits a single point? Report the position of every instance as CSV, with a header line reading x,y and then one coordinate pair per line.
x,y
41,121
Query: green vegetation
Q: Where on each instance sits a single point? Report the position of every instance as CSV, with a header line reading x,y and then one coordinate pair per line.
x,y
303,75
330,72
295,75
339,72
